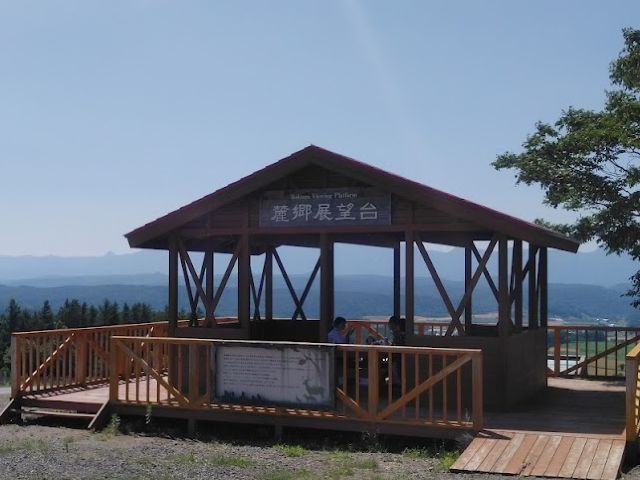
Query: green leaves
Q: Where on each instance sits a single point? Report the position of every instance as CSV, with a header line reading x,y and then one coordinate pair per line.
x,y
589,162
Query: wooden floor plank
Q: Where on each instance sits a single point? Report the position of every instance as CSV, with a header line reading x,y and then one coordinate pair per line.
x,y
599,460
496,452
558,457
546,456
509,452
571,461
616,454
582,469
516,464
468,454
534,454
481,454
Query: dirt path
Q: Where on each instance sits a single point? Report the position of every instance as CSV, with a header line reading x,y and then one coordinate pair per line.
x,y
159,451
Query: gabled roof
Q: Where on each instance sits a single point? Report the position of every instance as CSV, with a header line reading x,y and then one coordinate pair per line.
x,y
312,155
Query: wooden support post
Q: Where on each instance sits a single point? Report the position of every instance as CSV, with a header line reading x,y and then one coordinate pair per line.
x,y
542,280
396,280
114,373
15,368
244,300
173,286
533,294
268,284
468,275
326,286
504,299
556,352
209,315
517,266
478,392
409,286
192,427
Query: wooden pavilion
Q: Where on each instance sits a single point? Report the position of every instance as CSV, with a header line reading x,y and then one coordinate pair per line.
x,y
317,198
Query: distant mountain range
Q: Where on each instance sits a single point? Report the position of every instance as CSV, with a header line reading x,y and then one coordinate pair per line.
x,y
142,267
582,287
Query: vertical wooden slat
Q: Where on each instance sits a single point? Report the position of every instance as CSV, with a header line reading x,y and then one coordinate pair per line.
x,y
556,351
431,389
445,403
38,341
244,300
517,266
417,381
631,370
172,313
403,380
114,374
374,380
543,282
533,297
356,364
268,284
193,377
504,300
468,275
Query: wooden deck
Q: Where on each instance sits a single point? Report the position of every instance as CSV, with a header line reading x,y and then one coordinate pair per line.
x,y
576,430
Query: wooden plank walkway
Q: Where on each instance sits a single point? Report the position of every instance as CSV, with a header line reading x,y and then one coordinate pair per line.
x,y
575,430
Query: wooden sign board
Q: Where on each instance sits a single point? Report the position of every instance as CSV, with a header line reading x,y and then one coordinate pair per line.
x,y
329,206
297,376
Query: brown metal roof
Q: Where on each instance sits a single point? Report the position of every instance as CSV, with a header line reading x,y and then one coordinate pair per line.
x,y
491,219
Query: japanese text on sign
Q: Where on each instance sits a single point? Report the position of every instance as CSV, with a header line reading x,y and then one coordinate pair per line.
x,y
353,206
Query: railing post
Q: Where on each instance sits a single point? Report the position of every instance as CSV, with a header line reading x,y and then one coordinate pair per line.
x,y
374,370
15,368
358,335
478,392
114,375
631,371
556,352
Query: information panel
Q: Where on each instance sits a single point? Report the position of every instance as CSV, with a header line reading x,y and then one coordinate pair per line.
x,y
338,206
276,375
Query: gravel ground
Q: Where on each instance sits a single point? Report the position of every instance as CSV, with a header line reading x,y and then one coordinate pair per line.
x,y
136,451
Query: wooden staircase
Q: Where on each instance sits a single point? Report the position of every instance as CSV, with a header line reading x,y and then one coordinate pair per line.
x,y
94,414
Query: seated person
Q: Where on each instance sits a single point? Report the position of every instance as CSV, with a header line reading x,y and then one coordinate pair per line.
x,y
337,333
397,326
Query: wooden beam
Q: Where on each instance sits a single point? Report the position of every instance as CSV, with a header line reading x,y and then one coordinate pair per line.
x,y
243,282
468,312
268,300
436,279
409,273
533,294
396,280
287,280
543,282
208,258
326,286
172,314
516,293
504,299
306,290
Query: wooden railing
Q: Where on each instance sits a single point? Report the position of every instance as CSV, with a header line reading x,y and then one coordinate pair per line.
x,y
380,329
591,351
57,359
632,368
402,385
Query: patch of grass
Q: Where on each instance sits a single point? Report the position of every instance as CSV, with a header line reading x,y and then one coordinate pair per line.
x,y
114,425
290,450
185,459
24,446
416,453
230,461
448,458
287,475
66,441
344,464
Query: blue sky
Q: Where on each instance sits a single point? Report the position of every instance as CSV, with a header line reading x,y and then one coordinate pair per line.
x,y
113,113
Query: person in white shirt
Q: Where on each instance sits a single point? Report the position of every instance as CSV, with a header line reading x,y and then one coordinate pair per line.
x,y
337,333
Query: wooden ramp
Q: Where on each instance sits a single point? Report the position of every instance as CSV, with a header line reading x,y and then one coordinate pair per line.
x,y
543,455
575,430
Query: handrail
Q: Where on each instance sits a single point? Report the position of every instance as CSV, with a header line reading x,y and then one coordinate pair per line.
x,y
379,384
632,369
590,350
49,360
